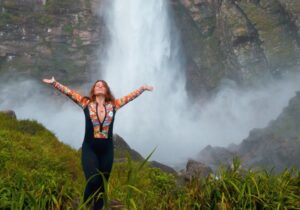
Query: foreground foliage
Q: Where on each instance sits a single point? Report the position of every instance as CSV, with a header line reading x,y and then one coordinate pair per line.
x,y
39,172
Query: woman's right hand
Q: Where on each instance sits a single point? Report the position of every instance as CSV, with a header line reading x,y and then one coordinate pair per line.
x,y
49,81
147,87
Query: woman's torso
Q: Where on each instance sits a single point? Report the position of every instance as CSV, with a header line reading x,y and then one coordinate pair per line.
x,y
95,128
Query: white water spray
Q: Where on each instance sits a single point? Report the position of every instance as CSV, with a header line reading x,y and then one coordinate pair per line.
x,y
143,50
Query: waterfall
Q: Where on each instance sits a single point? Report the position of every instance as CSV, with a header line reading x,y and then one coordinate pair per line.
x,y
144,49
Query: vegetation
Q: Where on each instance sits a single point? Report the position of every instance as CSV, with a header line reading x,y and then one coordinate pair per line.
x,y
39,172
36,170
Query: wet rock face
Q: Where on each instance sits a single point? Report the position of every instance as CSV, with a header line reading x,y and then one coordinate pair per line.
x,y
240,41
203,13
277,32
244,41
204,60
39,38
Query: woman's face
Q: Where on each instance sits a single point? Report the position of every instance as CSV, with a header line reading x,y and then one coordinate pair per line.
x,y
100,89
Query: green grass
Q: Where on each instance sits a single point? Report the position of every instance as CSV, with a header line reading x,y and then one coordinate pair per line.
x,y
39,172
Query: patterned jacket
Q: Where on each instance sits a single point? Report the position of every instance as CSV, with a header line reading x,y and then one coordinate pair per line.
x,y
94,127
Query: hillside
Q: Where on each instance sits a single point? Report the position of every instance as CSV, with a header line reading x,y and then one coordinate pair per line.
x,y
39,172
35,165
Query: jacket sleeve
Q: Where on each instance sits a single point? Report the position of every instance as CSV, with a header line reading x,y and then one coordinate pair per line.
x,y
125,99
76,97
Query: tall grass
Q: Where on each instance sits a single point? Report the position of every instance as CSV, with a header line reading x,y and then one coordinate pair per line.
x,y
39,172
36,170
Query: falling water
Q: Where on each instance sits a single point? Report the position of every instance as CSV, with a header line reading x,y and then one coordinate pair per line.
x,y
144,49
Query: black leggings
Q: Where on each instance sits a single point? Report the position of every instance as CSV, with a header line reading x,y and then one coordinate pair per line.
x,y
97,157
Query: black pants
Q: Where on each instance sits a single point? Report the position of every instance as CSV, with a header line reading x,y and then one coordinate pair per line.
x,y
97,157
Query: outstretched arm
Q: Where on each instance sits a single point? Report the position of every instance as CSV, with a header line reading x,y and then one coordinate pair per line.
x,y
125,99
76,97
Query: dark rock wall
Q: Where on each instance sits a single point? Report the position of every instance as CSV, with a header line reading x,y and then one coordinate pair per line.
x,y
49,37
246,41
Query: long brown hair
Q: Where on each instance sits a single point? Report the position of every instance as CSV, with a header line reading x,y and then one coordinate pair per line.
x,y
109,97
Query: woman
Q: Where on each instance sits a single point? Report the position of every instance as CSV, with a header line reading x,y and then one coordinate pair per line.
x,y
97,148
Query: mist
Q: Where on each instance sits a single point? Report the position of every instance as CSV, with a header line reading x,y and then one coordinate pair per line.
x,y
32,99
178,133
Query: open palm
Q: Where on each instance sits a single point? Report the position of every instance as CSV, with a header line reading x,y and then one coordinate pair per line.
x,y
148,87
49,81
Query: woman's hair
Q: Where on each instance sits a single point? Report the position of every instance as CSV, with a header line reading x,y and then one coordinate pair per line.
x,y
109,97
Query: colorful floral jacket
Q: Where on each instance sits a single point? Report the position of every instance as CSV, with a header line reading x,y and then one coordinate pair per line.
x,y
94,127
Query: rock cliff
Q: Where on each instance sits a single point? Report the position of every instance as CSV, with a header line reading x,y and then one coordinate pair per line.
x,y
246,41
49,37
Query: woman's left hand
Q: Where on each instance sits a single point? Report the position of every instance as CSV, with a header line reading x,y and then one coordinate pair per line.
x,y
147,87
